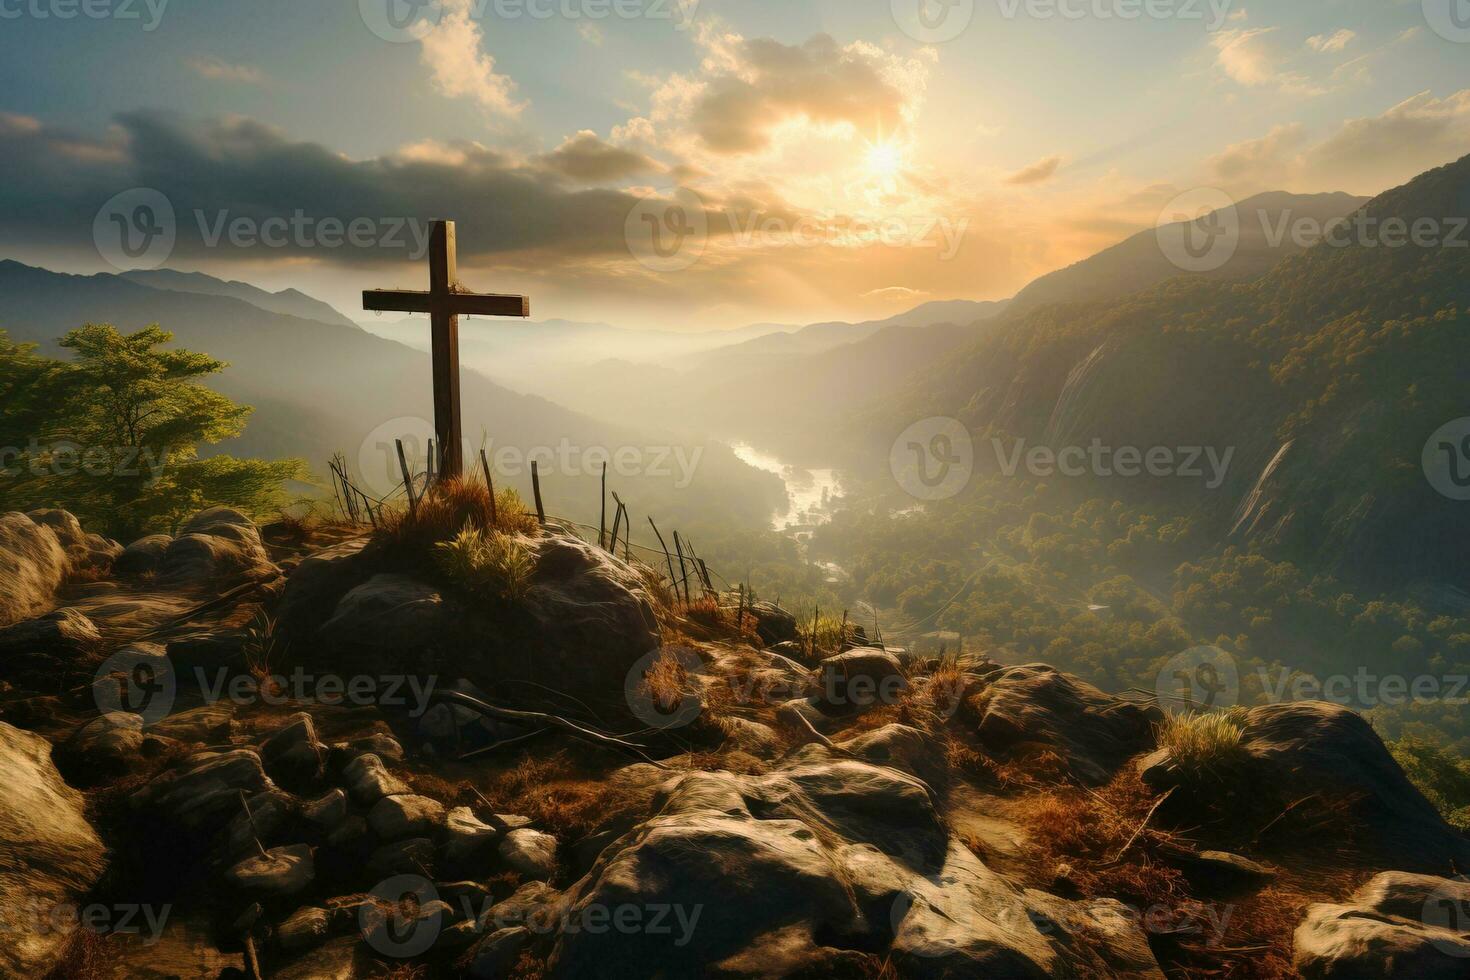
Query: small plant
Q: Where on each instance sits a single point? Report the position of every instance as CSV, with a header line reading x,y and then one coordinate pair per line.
x,y
488,564
260,649
1203,742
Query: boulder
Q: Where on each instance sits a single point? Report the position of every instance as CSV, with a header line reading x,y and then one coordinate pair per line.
x,y
388,615
1094,733
468,841
33,565
278,872
142,557
529,853
497,953
327,812
293,755
1397,925
203,792
772,624
64,634
368,780
50,857
396,817
859,678
305,927
1305,749
109,745
219,547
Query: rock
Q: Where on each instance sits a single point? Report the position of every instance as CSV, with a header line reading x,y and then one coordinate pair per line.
x,y
1094,733
317,585
406,857
219,547
293,755
112,743
338,959
1221,871
859,678
306,927
350,836
1397,925
50,857
368,780
33,565
1304,749
279,871
327,812
535,905
142,557
468,842
203,792
256,822
139,679
387,615
529,853
902,747
64,634
396,817
380,744
498,953
184,947
772,624
208,724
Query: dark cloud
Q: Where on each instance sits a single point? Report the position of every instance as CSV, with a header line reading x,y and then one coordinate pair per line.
x,y
586,157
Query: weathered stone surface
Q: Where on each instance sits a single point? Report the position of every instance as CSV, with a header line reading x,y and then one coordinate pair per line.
x,y
63,633
396,817
279,871
216,547
389,613
203,792
1305,749
305,927
142,557
1093,732
368,780
33,564
469,842
339,959
1398,925
498,952
50,856
327,811
902,747
529,853
109,745
859,678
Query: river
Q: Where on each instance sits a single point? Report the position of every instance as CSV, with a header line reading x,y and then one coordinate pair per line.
x,y
809,493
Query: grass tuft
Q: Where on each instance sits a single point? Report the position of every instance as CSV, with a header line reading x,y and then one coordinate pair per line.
x,y
486,563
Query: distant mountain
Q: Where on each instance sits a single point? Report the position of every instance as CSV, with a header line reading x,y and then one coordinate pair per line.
x,y
1324,378
758,352
289,302
1139,262
320,388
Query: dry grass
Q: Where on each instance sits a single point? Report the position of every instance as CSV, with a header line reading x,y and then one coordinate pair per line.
x,y
486,563
84,958
447,509
666,681
1204,744
560,796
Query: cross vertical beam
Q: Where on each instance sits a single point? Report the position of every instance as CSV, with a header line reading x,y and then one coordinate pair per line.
x,y
443,277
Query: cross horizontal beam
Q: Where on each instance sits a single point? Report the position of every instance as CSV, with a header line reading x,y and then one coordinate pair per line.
x,y
459,304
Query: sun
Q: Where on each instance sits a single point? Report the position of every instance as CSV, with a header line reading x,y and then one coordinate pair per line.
x,y
885,159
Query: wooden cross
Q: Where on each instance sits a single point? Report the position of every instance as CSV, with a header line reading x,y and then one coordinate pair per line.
x,y
446,301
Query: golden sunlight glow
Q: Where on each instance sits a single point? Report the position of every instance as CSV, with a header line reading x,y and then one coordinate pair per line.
x,y
884,159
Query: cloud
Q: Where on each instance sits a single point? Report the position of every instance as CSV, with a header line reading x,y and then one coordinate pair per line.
x,y
1329,44
1249,57
896,294
222,71
591,33
751,87
453,51
1038,173
587,158
1259,160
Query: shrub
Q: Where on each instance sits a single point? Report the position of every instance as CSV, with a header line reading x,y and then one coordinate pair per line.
x,y
1443,778
487,564
448,508
1203,742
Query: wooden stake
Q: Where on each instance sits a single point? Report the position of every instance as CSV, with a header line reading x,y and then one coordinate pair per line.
x,y
602,525
536,489
489,485
413,504
683,568
617,525
429,473
667,557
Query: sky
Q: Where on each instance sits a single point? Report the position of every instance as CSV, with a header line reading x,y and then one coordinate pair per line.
x,y
685,165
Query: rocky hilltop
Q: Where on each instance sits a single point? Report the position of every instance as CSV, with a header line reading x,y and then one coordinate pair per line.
x,y
466,745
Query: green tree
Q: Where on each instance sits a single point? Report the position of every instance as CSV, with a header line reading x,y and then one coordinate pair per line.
x,y
114,433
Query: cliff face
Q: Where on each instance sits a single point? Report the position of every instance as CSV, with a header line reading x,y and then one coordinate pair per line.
x,y
717,804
